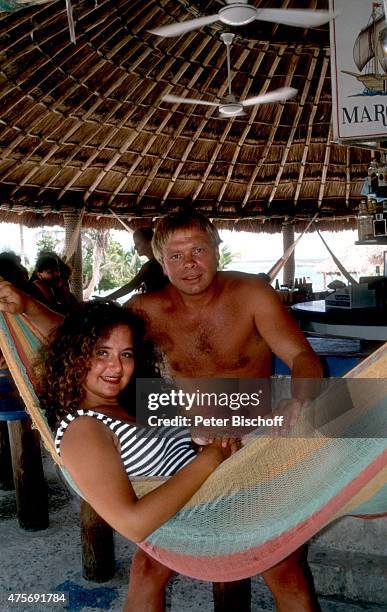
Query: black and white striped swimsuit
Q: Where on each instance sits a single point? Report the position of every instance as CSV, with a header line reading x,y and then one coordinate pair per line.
x,y
143,454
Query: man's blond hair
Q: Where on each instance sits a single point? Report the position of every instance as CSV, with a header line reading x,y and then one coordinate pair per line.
x,y
169,224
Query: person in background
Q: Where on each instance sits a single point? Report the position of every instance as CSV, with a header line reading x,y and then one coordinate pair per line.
x,y
49,283
12,270
151,276
66,300
44,278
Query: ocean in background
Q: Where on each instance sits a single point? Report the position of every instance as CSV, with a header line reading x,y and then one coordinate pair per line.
x,y
304,267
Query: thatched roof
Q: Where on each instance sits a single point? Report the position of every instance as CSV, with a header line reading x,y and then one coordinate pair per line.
x,y
83,126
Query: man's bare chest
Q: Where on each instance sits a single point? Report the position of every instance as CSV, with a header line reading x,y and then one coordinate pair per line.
x,y
210,346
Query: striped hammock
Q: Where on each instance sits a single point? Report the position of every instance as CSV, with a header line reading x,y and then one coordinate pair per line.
x,y
270,497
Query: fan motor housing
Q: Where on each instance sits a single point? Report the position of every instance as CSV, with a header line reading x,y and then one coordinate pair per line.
x,y
237,14
231,108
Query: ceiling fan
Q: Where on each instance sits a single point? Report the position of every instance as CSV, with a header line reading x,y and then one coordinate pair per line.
x,y
231,107
240,12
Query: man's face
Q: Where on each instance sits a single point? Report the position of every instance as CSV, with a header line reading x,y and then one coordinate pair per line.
x,y
140,245
49,276
190,260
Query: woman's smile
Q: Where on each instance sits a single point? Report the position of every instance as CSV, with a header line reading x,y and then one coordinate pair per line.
x,y
111,367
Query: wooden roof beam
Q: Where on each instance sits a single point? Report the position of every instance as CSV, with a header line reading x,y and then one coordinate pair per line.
x,y
210,112
178,132
279,112
325,165
300,108
252,114
310,127
142,124
190,145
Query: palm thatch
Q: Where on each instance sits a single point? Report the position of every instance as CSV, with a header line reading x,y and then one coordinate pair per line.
x,y
84,126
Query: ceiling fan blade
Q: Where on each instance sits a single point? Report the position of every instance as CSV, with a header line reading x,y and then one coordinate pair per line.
x,y
296,17
181,27
277,95
177,100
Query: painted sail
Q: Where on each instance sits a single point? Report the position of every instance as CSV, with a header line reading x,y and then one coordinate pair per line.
x,y
380,25
364,51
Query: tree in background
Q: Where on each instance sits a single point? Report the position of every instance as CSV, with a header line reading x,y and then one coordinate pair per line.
x,y
106,265
226,256
48,241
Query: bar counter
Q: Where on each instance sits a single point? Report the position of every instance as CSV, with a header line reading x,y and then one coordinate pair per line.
x,y
361,323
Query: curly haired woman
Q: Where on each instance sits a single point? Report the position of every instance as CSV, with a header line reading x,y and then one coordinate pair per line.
x,y
88,393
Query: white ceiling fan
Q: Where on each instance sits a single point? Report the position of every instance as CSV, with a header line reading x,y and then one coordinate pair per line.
x,y
240,12
231,107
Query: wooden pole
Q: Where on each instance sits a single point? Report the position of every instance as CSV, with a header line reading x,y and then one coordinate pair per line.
x,y
97,546
6,475
30,486
289,267
72,226
232,596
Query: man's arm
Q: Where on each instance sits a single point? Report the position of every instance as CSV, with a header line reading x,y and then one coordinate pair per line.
x,y
17,302
282,334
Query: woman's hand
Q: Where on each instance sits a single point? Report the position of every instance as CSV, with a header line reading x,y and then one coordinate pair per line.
x,y
11,299
15,301
220,448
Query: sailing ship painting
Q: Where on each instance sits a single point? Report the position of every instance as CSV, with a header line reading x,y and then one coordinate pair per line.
x,y
370,53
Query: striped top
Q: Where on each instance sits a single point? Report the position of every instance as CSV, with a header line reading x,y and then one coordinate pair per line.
x,y
144,453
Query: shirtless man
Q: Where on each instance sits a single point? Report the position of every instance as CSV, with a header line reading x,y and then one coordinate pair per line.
x,y
214,325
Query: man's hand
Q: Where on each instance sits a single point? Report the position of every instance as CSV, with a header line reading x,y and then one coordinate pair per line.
x,y
11,299
291,409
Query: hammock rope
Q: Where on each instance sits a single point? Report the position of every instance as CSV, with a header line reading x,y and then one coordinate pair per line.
x,y
270,497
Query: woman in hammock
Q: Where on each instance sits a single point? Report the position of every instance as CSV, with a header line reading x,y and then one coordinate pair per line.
x,y
88,393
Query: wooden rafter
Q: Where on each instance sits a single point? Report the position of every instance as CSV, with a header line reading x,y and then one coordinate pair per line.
x,y
310,128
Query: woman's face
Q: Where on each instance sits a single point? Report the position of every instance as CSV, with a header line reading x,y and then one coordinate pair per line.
x,y
111,367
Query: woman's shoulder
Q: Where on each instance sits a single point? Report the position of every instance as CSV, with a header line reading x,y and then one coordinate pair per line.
x,y
83,425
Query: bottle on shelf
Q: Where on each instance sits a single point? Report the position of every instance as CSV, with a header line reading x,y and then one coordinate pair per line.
x,y
277,284
372,176
382,171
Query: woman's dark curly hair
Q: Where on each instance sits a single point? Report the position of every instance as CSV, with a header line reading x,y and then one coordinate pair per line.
x,y
65,362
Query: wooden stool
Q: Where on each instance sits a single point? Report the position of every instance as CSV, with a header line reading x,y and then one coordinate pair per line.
x,y
232,596
6,474
27,468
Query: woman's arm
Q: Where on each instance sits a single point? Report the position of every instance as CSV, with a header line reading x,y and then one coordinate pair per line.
x,y
16,301
90,454
131,286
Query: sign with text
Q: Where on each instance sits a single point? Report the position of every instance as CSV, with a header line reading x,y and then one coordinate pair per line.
x,y
359,70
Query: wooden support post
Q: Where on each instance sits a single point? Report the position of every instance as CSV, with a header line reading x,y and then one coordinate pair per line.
x,y
30,486
289,267
97,546
6,475
232,596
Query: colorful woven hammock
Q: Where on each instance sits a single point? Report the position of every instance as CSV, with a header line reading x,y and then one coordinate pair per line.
x,y
270,497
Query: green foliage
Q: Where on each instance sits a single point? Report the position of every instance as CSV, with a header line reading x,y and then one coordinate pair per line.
x,y
227,256
48,241
118,266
